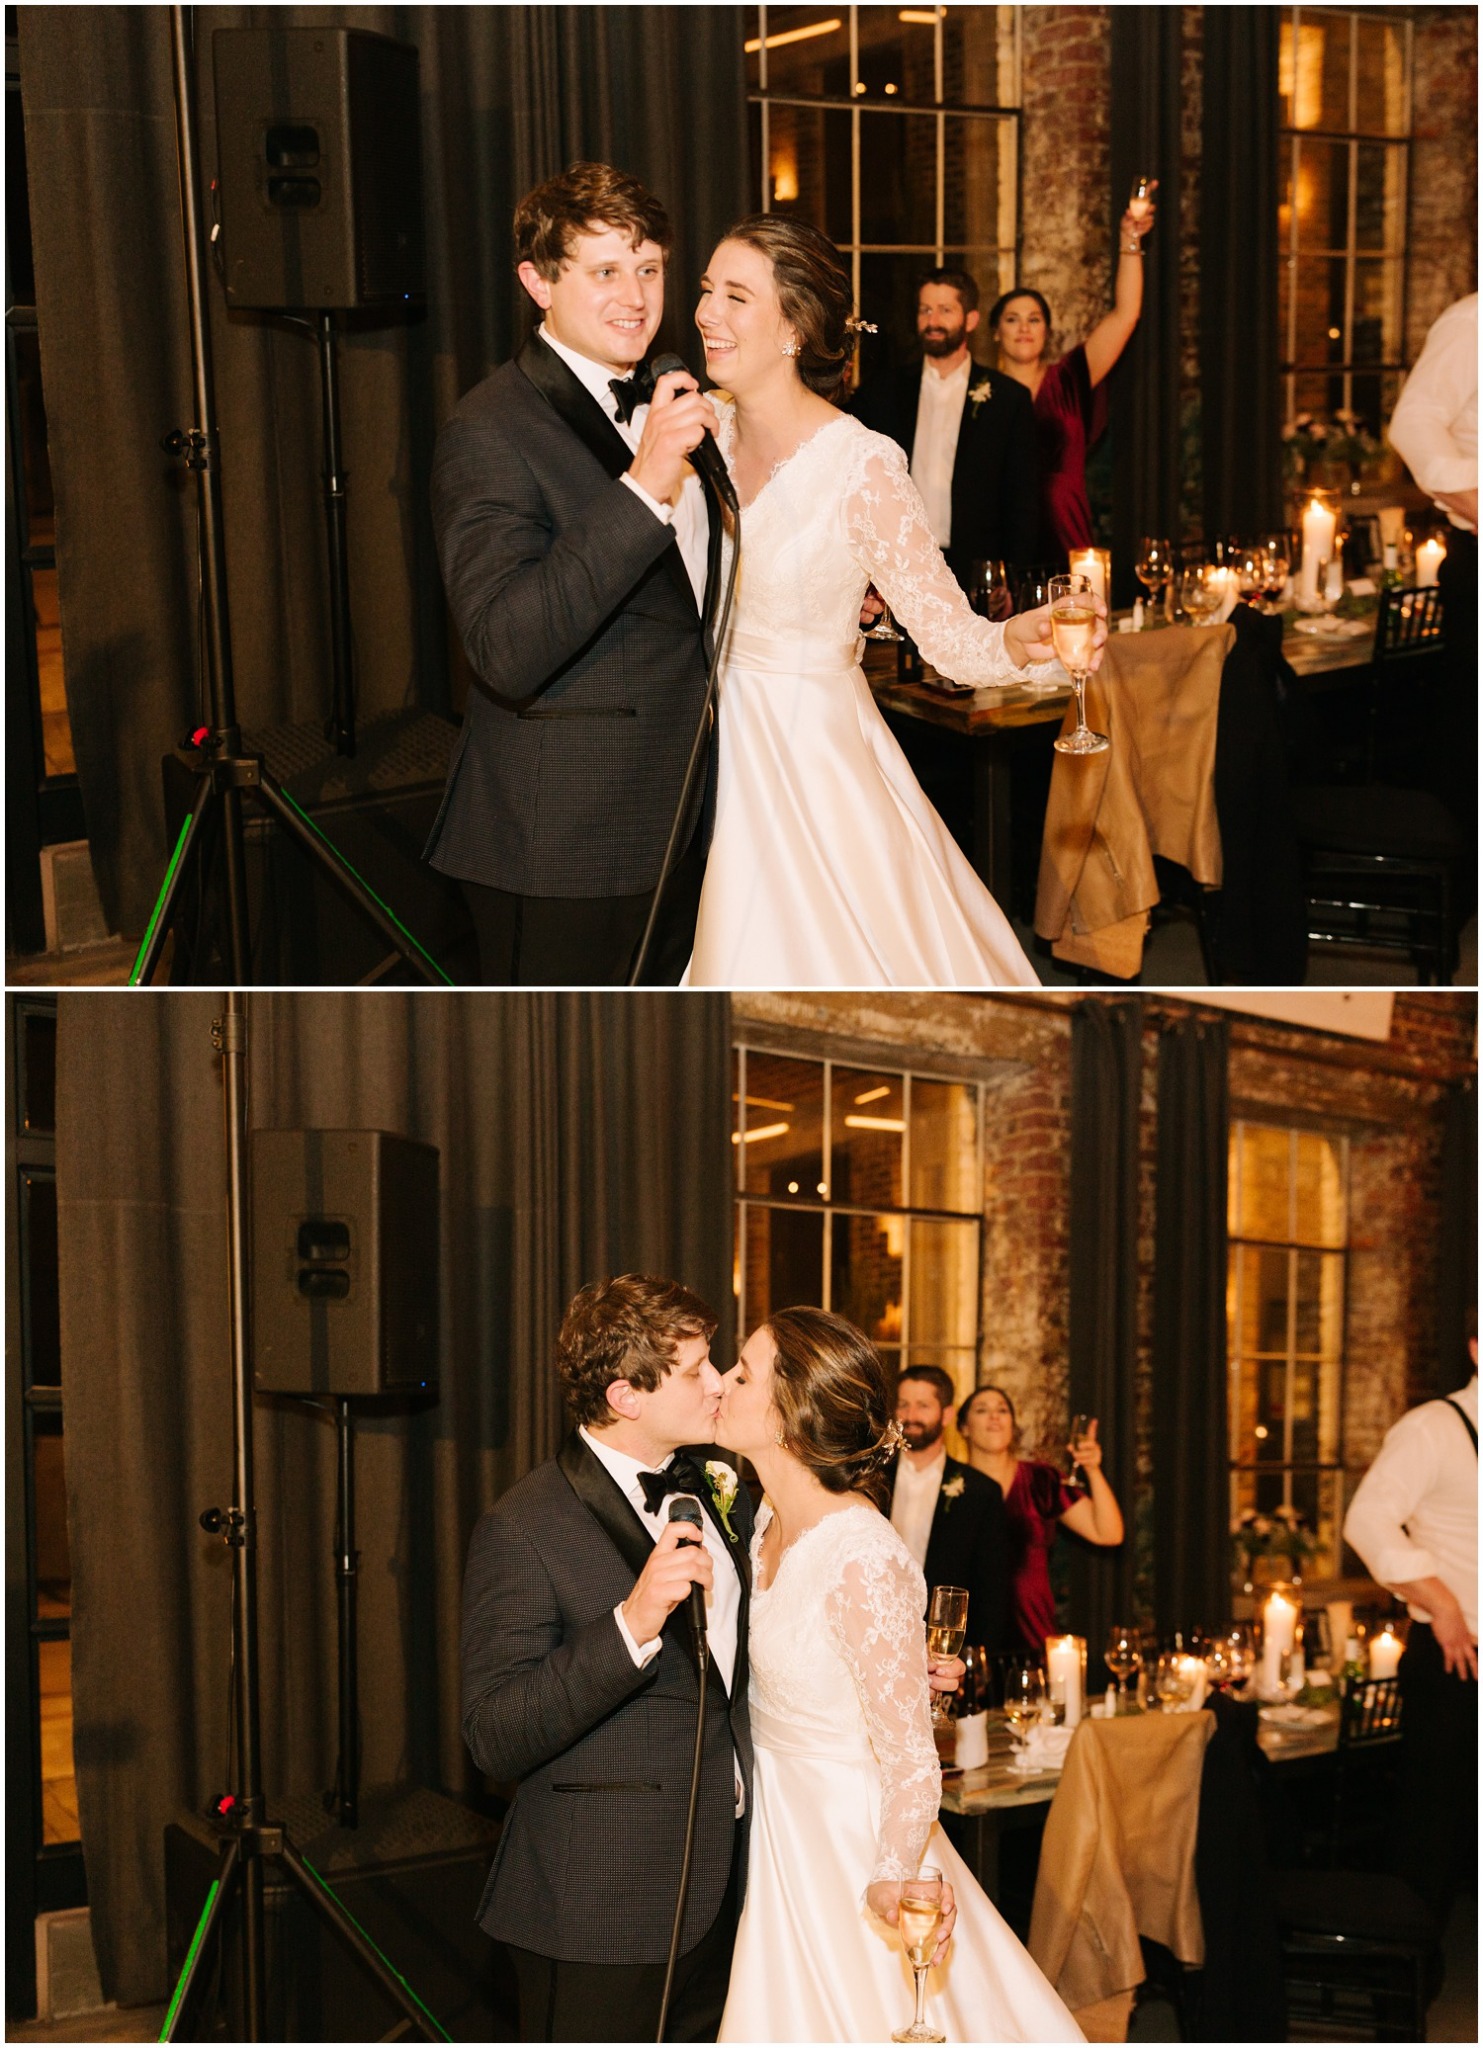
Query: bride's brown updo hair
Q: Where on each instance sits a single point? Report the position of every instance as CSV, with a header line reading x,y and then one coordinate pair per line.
x,y
813,288
834,1403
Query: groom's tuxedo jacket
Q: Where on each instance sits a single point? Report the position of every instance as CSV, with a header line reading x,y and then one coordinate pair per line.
x,y
577,615
588,1864
969,1547
996,470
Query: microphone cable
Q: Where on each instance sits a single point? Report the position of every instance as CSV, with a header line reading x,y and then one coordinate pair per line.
x,y
684,1509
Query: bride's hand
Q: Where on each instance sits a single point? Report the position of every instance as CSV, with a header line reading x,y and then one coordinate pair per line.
x,y
884,1900
1027,636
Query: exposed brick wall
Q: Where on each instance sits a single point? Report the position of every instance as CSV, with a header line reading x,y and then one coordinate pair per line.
x,y
1442,235
1065,187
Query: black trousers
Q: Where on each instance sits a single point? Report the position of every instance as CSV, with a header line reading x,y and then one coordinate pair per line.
x,y
585,941
1458,577
1437,1821
620,2002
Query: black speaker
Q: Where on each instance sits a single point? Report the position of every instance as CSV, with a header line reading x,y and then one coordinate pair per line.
x,y
319,166
411,1874
344,1263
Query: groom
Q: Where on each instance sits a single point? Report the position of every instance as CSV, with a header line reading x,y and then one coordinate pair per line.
x,y
577,547
580,1682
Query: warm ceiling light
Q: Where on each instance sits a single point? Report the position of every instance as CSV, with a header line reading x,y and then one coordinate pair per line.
x,y
793,35
765,1102
922,17
874,1123
763,1131
873,1094
890,88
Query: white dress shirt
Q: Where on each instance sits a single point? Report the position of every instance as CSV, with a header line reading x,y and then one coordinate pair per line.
x,y
914,1501
1415,1515
1434,428
935,449
688,517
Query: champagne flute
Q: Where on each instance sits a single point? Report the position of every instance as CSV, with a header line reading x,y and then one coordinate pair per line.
x,y
1154,566
1123,1656
885,626
1024,1696
947,1624
919,1918
1073,630
1080,1424
988,590
1140,199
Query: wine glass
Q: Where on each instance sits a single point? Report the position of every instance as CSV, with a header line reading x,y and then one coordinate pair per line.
x,y
885,626
1277,564
1080,1424
1200,596
1251,575
988,590
976,1678
1073,630
919,1918
1173,1681
1024,1697
1154,566
1123,1656
947,1624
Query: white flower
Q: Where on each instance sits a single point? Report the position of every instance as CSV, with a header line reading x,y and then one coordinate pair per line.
x,y
977,393
953,1488
721,1479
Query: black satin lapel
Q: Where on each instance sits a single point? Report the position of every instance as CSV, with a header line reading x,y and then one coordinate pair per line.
x,y
604,1500
568,397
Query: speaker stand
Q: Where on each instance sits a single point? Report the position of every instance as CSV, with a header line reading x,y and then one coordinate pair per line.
x,y
344,1801
340,728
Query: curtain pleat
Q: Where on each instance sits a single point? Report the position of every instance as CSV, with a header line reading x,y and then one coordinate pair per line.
x,y
577,1134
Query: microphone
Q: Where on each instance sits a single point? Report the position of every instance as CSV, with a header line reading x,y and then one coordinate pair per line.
x,y
704,458
685,1508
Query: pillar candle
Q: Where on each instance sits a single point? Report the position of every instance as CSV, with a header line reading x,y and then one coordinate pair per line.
x,y
1194,1670
1319,527
1385,1653
1063,1670
1428,561
1279,1629
1341,1625
1088,562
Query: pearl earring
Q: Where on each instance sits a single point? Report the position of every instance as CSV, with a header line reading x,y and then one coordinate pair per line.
x,y
792,348
780,1439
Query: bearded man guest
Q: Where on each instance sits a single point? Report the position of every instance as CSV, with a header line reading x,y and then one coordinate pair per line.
x,y
968,432
950,1517
576,545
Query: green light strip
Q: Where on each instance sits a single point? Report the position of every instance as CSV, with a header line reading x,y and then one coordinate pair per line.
x,y
196,1939
421,950
154,916
340,1903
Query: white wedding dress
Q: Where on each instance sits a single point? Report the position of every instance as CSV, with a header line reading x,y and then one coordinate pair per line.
x,y
845,1792
828,867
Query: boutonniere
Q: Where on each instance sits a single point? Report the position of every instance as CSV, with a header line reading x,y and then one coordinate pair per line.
x,y
978,392
952,1488
720,1478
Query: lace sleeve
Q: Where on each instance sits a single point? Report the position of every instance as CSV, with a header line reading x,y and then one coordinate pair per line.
x,y
886,526
874,1613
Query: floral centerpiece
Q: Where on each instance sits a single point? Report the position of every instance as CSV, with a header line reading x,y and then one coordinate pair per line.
x,y
1315,449
1268,1547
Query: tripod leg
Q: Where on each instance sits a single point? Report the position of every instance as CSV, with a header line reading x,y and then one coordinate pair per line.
x,y
200,1940
155,932
300,826
325,1903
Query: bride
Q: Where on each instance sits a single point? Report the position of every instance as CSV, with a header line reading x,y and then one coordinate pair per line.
x,y
846,1785
828,867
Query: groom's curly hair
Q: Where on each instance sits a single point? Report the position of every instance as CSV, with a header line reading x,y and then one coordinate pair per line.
x,y
579,200
625,1328
833,1398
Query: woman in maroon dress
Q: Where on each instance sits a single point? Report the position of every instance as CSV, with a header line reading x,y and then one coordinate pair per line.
x,y
1069,395
1036,1501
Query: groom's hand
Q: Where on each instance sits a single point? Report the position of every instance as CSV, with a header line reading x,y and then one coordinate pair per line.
x,y
676,1563
677,418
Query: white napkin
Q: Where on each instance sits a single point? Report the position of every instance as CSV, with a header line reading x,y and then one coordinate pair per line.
x,y
1045,1750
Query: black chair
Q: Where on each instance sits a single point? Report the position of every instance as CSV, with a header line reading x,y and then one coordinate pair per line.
x,y
1364,1775
1381,859
1359,1950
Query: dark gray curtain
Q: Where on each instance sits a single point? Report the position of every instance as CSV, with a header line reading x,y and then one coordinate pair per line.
x,y
1240,393
1106,1069
578,1135
1147,96
1191,1480
1457,1275
509,95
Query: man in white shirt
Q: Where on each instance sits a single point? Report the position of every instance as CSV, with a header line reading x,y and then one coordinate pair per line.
x,y
1414,1522
950,1517
1434,430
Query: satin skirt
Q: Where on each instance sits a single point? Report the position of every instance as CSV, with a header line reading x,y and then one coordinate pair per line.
x,y
828,867
813,1964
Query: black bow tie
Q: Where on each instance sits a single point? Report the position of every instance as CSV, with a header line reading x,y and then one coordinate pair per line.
x,y
681,1475
629,393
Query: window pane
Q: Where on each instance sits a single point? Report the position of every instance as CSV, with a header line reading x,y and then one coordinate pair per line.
x,y
58,1783
1261,1318
1379,221
808,50
52,1549
784,1136
867,1130
1323,195
1259,1184
1313,72
1320,326
978,56
1377,310
1243,1412
784,1262
865,1273
1271,1409
978,183
898,52
43,1306
809,166
39,1111
1320,1189
944,1283
944,1146
1317,392
1380,77
898,178
1320,1305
